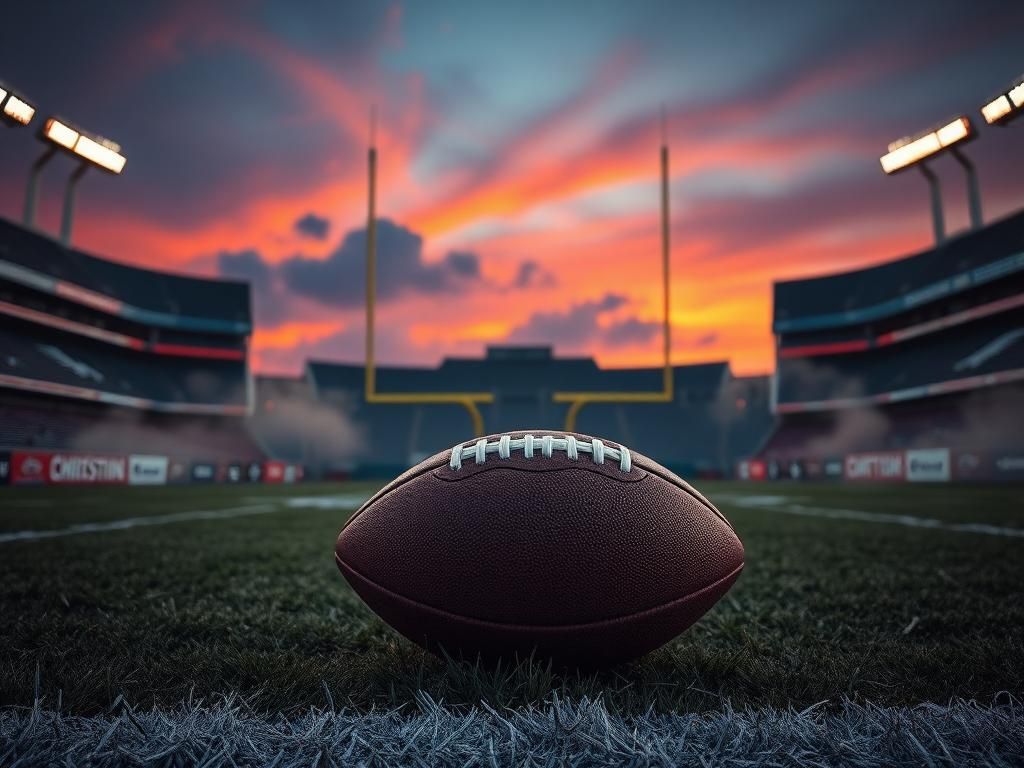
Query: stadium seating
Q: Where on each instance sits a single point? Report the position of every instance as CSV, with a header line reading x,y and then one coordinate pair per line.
x,y
713,419
924,351
981,348
101,356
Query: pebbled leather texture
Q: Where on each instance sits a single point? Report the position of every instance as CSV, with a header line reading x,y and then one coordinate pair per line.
x,y
580,561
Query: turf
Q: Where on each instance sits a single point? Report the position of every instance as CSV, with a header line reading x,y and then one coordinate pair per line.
x,y
826,611
562,733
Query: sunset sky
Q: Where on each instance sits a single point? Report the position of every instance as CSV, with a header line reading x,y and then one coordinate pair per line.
x,y
518,157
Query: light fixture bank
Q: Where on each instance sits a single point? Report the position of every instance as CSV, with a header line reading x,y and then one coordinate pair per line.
x,y
102,153
911,150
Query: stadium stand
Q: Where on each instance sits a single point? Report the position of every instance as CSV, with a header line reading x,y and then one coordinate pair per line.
x,y
101,356
714,418
923,352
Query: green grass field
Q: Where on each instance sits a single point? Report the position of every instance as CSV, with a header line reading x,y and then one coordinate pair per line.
x,y
870,609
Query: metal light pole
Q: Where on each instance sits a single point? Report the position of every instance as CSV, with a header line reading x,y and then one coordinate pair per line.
x,y
935,189
32,187
67,218
915,150
89,149
973,194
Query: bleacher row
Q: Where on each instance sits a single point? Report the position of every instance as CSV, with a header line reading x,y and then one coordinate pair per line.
x,y
714,419
917,362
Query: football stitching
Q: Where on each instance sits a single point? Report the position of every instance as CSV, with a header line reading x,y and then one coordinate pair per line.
x,y
547,444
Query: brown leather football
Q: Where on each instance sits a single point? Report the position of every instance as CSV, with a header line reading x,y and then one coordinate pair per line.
x,y
550,542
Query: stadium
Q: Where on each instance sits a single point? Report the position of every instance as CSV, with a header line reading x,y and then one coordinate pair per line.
x,y
187,431
919,357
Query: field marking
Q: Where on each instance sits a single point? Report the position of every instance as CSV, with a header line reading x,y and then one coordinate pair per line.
x,y
137,522
346,502
780,504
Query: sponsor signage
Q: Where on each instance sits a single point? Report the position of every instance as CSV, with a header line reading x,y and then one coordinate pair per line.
x,y
5,467
968,465
234,473
834,468
67,468
1009,466
203,472
254,472
274,471
931,465
177,472
752,469
147,470
881,466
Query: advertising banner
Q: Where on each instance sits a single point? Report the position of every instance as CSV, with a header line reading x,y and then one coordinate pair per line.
x,y
885,466
273,471
177,472
834,468
930,465
67,468
971,465
203,472
752,469
5,467
1008,466
147,470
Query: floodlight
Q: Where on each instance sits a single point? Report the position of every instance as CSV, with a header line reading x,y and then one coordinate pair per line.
x,y
997,109
15,109
102,153
913,149
90,150
60,134
1005,106
1016,95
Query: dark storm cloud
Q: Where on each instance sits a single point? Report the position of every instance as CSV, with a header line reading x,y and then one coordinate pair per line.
x,y
579,325
532,275
340,279
313,226
632,331
248,265
463,263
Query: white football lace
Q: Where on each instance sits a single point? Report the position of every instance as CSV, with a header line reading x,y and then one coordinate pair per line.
x,y
547,444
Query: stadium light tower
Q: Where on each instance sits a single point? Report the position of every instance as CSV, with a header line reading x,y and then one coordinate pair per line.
x,y
915,150
15,110
1006,105
91,150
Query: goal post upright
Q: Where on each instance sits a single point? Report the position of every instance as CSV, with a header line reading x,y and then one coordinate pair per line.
x,y
577,400
468,400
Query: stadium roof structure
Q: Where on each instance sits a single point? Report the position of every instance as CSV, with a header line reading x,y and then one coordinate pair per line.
x,y
832,301
144,296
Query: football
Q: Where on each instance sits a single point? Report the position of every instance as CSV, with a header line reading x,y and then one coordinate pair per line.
x,y
554,543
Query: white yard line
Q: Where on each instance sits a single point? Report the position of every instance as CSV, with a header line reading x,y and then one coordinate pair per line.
x,y
784,505
137,522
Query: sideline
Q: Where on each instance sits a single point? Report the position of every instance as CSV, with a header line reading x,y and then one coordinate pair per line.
x,y
785,505
138,522
264,505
